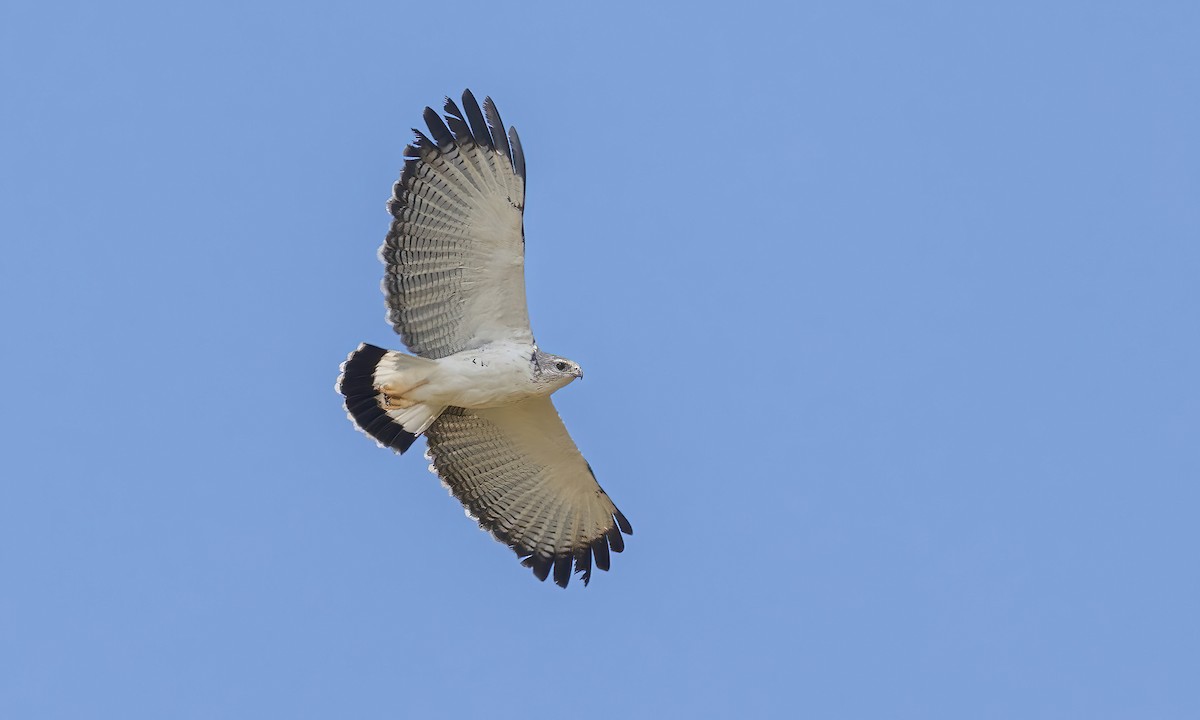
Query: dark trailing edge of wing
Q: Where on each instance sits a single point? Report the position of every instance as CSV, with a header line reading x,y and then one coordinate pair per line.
x,y
483,127
357,385
582,557
589,553
596,553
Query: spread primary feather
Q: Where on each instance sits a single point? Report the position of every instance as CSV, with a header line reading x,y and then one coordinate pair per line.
x,y
476,385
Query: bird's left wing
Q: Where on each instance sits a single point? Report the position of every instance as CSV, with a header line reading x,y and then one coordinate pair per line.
x,y
455,253
521,477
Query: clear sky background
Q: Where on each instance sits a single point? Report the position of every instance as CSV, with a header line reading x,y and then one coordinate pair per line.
x,y
889,313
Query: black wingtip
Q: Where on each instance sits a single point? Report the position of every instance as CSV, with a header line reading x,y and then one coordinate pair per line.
x,y
600,552
615,541
458,124
479,128
540,564
562,570
357,385
583,563
472,124
622,522
496,125
438,128
518,154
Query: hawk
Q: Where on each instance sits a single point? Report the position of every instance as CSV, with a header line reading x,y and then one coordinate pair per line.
x,y
476,385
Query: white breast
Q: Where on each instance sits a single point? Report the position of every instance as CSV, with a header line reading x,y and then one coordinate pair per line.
x,y
492,376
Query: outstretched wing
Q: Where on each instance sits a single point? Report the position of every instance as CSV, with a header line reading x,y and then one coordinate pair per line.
x,y
455,254
519,474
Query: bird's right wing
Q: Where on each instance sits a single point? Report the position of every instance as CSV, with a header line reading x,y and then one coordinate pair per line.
x,y
522,478
455,253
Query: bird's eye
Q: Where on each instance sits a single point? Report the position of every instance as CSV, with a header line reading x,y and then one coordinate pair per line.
x,y
560,366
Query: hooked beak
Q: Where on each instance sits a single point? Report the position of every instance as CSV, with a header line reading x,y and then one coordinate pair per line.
x,y
579,373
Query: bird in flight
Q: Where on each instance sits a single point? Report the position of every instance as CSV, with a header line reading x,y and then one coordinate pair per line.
x,y
476,385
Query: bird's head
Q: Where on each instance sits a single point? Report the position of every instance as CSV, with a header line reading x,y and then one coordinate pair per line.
x,y
555,371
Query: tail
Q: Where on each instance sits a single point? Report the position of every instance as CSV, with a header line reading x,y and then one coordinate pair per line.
x,y
374,382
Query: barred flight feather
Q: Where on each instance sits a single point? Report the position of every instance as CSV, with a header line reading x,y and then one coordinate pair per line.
x,y
454,282
459,198
537,497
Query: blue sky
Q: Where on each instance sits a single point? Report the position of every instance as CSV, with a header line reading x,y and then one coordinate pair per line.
x,y
889,314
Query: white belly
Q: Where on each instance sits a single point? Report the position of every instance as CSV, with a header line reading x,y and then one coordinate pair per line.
x,y
486,377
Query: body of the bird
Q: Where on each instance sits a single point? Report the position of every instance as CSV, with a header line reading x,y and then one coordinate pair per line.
x,y
475,384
